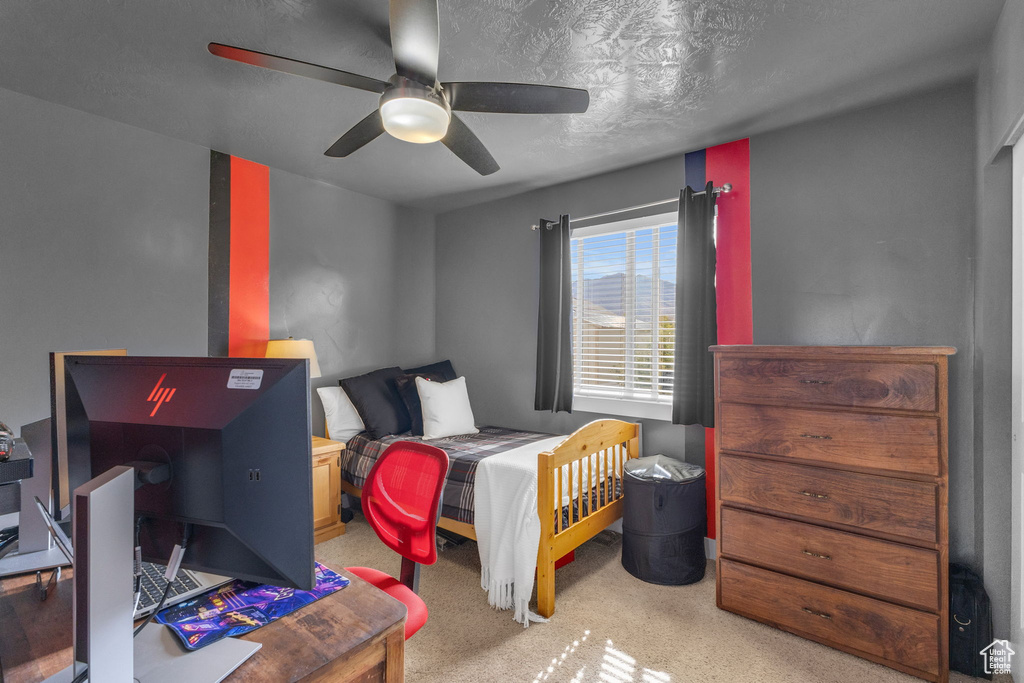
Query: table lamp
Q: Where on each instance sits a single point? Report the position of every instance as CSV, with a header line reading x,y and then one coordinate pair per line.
x,y
294,348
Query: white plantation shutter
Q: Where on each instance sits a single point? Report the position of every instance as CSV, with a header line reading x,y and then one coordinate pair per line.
x,y
624,309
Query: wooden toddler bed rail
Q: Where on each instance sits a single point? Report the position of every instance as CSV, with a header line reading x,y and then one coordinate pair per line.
x,y
579,493
583,477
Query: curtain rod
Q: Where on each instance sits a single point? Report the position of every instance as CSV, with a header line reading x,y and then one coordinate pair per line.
x,y
723,189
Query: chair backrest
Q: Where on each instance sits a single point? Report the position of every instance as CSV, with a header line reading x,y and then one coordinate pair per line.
x,y
401,497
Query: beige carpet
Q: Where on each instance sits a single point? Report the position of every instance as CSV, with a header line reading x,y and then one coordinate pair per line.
x,y
608,627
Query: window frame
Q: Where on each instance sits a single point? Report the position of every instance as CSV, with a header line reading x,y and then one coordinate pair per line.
x,y
592,401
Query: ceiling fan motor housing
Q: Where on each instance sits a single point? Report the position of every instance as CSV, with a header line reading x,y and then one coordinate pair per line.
x,y
414,112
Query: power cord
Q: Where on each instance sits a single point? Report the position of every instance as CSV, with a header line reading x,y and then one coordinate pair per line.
x,y
160,606
170,575
173,564
137,578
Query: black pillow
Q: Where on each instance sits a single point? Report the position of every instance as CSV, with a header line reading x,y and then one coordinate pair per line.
x,y
411,397
443,368
377,401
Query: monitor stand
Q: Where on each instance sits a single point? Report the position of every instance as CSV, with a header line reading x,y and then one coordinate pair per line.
x,y
36,551
104,605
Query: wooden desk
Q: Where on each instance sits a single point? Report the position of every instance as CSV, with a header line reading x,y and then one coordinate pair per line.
x,y
356,634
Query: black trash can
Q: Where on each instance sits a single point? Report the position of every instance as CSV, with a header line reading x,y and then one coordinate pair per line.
x,y
664,520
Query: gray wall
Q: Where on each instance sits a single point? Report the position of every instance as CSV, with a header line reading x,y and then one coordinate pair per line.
x,y
487,273
1000,105
1000,81
992,385
354,274
103,243
862,232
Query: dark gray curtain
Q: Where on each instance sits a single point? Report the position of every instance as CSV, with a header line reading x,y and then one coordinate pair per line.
x,y
693,396
554,320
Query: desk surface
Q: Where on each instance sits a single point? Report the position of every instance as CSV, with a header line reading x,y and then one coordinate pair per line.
x,y
358,632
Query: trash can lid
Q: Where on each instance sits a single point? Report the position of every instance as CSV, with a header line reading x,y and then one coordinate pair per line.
x,y
661,467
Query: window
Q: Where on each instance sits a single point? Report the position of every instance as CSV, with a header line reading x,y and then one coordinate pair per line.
x,y
623,325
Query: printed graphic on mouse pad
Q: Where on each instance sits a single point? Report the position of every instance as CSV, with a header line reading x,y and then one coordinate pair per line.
x,y
242,606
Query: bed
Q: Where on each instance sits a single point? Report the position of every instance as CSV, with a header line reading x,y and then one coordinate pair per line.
x,y
586,467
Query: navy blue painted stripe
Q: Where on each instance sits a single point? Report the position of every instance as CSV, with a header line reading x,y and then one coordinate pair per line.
x,y
219,254
696,174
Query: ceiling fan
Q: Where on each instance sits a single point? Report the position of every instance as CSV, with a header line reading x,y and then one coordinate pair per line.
x,y
414,106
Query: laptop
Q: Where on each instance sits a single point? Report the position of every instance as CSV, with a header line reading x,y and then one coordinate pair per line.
x,y
150,580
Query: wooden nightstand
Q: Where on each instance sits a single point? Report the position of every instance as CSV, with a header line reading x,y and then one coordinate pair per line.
x,y
327,489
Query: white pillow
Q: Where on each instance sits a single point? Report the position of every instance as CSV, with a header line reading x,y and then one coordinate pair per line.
x,y
343,421
446,409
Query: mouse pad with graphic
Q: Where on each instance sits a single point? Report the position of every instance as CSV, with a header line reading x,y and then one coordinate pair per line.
x,y
242,606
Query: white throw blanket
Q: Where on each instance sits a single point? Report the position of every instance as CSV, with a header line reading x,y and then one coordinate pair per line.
x,y
508,526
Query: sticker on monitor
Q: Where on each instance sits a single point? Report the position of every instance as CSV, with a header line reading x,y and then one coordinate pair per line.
x,y
245,379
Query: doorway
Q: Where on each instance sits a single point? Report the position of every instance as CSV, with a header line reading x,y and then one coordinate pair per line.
x,y
1017,511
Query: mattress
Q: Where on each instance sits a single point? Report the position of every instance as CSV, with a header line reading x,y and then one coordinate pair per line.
x,y
464,453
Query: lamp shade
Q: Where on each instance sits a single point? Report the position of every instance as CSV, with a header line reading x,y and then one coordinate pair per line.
x,y
294,348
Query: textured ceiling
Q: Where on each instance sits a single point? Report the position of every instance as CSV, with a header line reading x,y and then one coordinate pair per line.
x,y
665,76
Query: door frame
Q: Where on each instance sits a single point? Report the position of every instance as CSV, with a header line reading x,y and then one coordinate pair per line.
x,y
1017,401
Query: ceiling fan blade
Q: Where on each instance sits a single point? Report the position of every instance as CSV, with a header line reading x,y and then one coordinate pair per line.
x,y
467,146
294,66
516,98
415,39
358,135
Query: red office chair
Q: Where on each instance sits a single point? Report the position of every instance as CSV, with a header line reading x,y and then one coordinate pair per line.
x,y
401,500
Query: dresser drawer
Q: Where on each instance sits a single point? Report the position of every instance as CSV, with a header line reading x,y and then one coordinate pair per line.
x,y
894,506
888,442
890,571
832,616
903,386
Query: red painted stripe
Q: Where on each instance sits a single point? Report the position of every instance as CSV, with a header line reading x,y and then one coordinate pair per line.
x,y
167,398
730,163
249,281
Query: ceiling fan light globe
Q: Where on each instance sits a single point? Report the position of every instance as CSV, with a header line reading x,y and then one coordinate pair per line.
x,y
415,119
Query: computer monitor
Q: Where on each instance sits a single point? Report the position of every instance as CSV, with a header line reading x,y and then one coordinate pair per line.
x,y
58,428
235,434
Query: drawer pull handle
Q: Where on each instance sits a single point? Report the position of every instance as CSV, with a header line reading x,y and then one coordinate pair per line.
x,y
820,557
814,495
816,436
815,381
962,623
818,614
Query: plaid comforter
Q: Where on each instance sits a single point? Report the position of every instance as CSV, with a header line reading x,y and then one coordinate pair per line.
x,y
464,453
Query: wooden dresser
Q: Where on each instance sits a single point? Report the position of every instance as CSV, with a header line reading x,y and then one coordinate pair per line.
x,y
832,497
